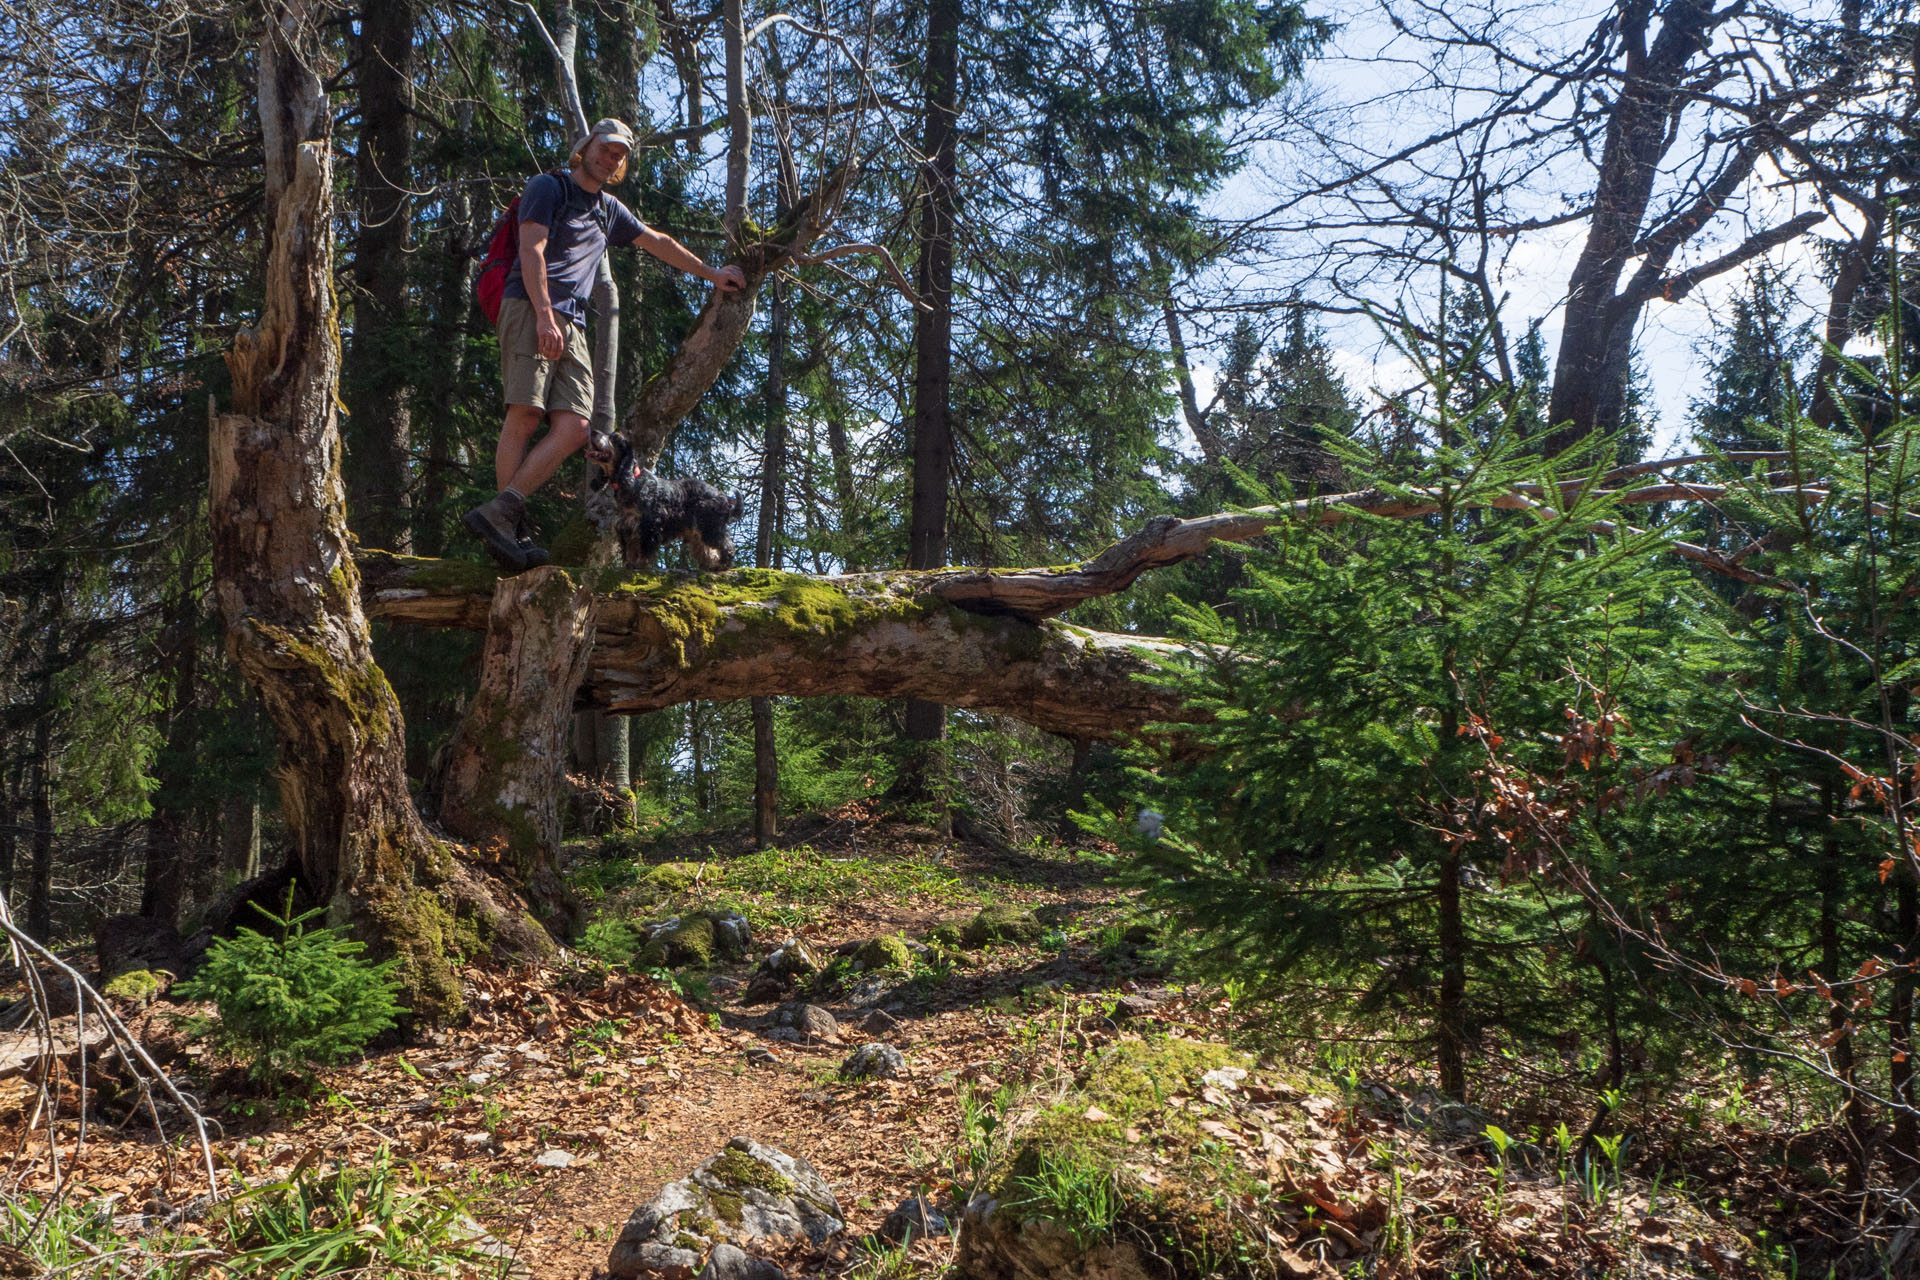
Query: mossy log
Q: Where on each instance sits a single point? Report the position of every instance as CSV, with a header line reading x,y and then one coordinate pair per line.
x,y
664,639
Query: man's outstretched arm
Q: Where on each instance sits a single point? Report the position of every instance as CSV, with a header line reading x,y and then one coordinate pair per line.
x,y
678,256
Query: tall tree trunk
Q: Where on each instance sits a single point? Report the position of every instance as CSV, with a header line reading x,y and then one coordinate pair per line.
x,y
1856,261
1832,968
739,121
1905,1143
926,722
40,806
165,873
286,581
239,838
452,313
9,831
1590,373
1212,448
1449,1013
773,466
380,440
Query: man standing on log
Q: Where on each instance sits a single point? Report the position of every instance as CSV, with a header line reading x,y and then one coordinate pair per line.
x,y
566,224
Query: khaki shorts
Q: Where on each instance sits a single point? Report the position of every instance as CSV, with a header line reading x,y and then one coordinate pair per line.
x,y
563,385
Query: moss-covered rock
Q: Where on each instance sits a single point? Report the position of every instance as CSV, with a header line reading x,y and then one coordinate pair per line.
x,y
1001,923
1027,1219
683,942
888,952
140,987
945,934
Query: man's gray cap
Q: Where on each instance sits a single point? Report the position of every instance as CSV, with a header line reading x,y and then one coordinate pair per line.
x,y
611,130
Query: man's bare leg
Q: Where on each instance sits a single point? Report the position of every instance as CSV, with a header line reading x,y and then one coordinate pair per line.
x,y
566,436
519,471
522,421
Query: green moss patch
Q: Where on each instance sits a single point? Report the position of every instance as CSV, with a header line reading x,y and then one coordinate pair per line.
x,y
141,986
737,1169
1116,1160
731,1208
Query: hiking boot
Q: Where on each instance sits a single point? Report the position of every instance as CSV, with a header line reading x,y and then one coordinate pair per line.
x,y
495,522
523,532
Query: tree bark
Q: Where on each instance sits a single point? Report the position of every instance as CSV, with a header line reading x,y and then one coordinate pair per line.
x,y
379,452
1659,79
288,587
773,466
40,805
1855,263
1855,1123
924,770
500,787
165,873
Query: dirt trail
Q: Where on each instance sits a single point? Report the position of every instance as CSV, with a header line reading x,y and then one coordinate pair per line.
x,y
639,1086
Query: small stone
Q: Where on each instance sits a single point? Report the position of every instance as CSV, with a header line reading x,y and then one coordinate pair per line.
x,y
1134,1006
477,1140
730,1263
478,1079
758,1057
810,1020
879,1022
914,1218
794,958
873,1062
554,1158
1227,1078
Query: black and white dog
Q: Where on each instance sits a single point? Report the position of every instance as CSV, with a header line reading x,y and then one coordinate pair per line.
x,y
653,511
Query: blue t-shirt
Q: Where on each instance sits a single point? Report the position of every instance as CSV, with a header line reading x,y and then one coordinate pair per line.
x,y
579,227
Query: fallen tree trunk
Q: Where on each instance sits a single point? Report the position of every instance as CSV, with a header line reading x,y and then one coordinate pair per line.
x,y
976,638
664,639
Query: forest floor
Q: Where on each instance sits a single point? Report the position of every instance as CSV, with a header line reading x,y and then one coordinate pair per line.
x,y
638,1083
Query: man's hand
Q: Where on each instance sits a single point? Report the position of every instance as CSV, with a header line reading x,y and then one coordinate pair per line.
x,y
729,279
553,340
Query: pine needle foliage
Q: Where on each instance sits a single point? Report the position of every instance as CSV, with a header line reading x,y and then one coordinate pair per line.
x,y
295,999
1337,842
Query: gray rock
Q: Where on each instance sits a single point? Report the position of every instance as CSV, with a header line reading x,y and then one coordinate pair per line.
x,y
809,1020
868,992
913,1218
873,1062
746,1192
729,1263
732,935
793,958
879,1023
651,1258
554,1158
1135,1006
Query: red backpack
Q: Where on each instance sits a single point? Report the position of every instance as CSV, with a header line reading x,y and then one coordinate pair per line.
x,y
503,249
